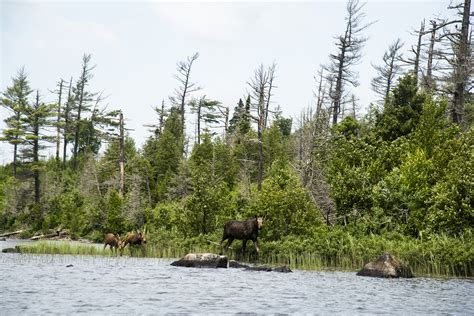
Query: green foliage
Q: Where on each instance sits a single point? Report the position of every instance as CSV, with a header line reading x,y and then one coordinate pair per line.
x,y
163,155
285,204
402,111
114,219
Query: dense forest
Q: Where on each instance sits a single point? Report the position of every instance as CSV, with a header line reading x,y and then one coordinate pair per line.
x,y
402,171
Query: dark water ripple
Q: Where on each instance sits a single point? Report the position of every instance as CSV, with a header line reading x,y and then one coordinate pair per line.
x,y
42,284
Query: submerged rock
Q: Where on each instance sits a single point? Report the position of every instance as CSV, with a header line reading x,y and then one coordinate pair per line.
x,y
283,269
386,266
202,260
12,250
236,264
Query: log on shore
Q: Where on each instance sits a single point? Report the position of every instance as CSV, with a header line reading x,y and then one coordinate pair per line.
x,y
56,234
11,233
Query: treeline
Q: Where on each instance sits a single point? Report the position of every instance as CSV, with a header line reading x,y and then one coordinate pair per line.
x,y
405,166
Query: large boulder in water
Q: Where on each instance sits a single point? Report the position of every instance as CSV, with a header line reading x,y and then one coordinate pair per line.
x,y
386,266
202,260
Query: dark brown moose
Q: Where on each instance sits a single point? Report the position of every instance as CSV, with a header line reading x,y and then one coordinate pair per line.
x,y
112,241
242,230
134,240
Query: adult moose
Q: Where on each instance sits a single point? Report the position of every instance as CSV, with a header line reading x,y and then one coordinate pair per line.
x,y
242,230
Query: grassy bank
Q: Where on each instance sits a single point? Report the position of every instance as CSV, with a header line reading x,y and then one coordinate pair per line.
x,y
336,250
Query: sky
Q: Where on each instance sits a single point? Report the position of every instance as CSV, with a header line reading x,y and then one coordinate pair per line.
x,y
136,45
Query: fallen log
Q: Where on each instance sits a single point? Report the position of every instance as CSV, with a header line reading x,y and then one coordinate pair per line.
x,y
57,234
11,233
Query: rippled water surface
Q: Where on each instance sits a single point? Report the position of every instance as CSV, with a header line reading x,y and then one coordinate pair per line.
x,y
43,284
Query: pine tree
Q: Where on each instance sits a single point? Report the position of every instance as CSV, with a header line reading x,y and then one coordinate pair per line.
x,y
15,100
37,117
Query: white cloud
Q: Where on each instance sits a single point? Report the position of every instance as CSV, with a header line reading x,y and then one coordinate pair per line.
x,y
209,21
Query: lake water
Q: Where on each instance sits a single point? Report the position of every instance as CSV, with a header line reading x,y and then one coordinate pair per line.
x,y
43,284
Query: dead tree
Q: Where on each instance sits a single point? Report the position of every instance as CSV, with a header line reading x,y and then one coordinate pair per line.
x,y
415,60
388,71
67,121
185,85
460,60
59,92
349,46
260,86
121,155
428,79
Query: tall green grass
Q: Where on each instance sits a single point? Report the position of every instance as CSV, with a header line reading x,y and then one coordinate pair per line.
x,y
436,256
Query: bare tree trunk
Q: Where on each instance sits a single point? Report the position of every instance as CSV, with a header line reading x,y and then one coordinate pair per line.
x,y
429,82
66,122
418,51
461,71
36,150
121,156
58,127
199,105
78,123
271,77
147,178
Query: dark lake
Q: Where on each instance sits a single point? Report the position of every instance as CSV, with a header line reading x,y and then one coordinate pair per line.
x,y
43,284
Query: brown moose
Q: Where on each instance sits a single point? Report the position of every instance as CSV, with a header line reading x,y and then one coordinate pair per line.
x,y
113,242
242,230
134,240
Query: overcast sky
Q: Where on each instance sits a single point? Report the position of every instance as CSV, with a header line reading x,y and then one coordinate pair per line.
x,y
136,45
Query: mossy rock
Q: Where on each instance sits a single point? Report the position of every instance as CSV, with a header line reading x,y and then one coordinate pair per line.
x,y
386,266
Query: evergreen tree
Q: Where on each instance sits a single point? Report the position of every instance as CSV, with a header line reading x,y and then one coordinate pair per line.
x,y
15,100
402,111
37,118
164,156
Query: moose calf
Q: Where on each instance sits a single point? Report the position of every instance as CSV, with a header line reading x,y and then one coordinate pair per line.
x,y
134,240
112,241
242,230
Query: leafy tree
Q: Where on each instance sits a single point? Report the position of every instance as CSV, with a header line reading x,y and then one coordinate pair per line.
x,y
285,204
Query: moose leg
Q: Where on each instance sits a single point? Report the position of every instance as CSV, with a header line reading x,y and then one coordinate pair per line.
x,y
220,244
255,242
229,242
244,244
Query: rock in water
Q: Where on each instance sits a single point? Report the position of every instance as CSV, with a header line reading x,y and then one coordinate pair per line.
x,y
202,260
17,249
386,266
283,269
236,264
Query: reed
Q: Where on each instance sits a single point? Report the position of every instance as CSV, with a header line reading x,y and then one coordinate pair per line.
x,y
438,256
